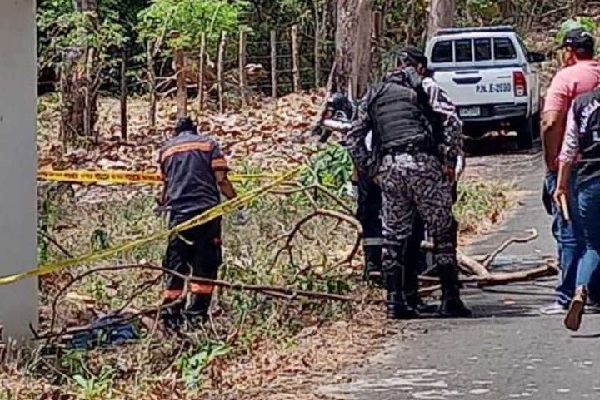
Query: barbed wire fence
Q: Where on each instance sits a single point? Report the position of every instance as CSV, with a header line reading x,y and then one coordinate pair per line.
x,y
246,67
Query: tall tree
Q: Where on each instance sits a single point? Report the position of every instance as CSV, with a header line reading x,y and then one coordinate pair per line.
x,y
80,94
352,47
441,15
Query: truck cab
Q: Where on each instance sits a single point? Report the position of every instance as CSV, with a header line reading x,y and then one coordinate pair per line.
x,y
490,76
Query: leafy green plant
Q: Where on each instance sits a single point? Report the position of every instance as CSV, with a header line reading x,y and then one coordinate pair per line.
x,y
193,363
331,167
95,386
190,18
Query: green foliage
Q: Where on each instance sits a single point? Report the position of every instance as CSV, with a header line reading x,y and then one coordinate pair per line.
x,y
481,201
331,167
479,12
192,363
190,18
586,23
95,386
68,30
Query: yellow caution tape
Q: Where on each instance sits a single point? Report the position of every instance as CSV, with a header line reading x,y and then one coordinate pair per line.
x,y
84,176
220,210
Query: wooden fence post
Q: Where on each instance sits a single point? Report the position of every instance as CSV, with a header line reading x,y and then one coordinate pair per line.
x,y
317,55
220,56
181,86
201,73
151,83
180,75
273,64
242,66
295,70
124,120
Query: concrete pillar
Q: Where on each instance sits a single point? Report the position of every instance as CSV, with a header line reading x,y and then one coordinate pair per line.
x,y
18,209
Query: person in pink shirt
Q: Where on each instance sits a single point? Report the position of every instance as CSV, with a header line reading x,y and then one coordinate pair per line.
x,y
581,74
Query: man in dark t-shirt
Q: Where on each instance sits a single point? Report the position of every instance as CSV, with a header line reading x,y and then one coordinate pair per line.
x,y
581,149
194,172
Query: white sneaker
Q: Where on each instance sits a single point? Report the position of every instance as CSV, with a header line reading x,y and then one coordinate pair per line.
x,y
592,308
554,309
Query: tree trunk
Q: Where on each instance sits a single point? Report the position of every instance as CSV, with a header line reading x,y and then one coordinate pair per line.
x,y
124,94
441,15
353,45
151,84
181,84
80,82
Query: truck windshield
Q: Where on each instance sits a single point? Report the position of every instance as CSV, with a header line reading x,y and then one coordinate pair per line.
x,y
469,50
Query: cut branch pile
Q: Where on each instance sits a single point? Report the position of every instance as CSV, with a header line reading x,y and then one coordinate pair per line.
x,y
475,272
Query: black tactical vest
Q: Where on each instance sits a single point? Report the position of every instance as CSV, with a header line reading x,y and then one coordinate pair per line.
x,y
400,119
587,116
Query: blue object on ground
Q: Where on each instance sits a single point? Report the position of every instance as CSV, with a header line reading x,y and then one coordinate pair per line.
x,y
110,330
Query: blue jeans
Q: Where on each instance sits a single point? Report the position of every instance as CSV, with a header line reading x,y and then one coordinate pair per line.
x,y
589,211
569,240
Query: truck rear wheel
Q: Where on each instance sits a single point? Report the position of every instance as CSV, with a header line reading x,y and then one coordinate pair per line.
x,y
528,132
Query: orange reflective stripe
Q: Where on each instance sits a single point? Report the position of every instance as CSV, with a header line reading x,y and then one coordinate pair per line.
x,y
180,148
172,294
201,288
219,163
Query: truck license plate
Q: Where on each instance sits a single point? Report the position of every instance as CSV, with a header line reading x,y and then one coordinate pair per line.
x,y
494,88
469,111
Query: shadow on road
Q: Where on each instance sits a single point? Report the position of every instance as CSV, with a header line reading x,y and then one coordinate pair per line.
x,y
491,145
526,309
586,336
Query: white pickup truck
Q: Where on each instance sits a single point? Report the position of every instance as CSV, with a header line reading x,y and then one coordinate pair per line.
x,y
489,75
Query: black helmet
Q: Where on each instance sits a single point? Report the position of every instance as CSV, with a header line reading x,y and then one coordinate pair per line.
x,y
411,56
338,102
185,124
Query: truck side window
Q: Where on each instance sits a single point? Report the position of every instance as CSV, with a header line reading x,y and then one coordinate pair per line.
x,y
504,49
483,49
442,52
464,50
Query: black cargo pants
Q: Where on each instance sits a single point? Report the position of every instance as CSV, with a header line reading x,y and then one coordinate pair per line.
x,y
196,252
369,215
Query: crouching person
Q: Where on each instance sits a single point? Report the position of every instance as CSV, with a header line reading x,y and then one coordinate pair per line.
x,y
195,174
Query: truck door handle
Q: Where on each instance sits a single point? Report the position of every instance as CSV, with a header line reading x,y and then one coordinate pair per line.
x,y
466,81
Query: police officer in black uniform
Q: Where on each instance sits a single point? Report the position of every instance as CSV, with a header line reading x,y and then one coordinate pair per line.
x,y
338,116
414,180
368,196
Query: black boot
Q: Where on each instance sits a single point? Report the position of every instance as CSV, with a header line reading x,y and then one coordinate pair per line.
x,y
411,284
451,306
372,274
197,312
419,305
172,315
397,307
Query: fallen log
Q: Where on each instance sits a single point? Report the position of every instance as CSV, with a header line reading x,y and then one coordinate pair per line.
x,y
505,278
487,261
470,266
493,279
466,264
